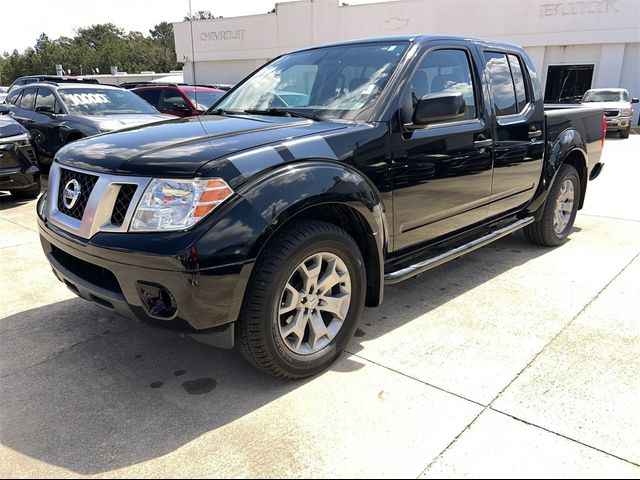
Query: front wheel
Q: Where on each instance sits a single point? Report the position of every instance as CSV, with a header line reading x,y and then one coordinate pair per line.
x,y
304,301
559,211
625,133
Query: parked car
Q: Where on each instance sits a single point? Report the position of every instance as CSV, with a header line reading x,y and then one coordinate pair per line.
x,y
59,113
19,172
3,93
179,100
272,227
130,85
29,79
616,104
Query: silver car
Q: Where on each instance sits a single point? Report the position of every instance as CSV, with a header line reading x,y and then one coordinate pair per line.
x,y
616,104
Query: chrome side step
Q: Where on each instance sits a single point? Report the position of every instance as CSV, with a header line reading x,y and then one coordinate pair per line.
x,y
413,270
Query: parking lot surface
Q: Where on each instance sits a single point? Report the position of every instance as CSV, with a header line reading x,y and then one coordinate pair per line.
x,y
514,360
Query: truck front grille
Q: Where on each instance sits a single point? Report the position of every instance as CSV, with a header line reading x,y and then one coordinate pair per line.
x,y
611,113
103,202
122,204
29,152
86,183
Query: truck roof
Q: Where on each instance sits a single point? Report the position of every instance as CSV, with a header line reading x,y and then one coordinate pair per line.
x,y
420,38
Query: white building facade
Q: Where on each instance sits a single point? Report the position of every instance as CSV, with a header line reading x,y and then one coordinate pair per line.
x,y
575,45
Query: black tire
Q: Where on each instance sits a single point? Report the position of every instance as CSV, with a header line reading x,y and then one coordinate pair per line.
x,y
257,330
625,133
541,231
27,193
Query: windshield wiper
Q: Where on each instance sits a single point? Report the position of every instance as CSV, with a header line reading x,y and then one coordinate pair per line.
x,y
283,112
222,111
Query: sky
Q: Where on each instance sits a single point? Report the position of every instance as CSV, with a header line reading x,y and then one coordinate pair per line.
x,y
59,18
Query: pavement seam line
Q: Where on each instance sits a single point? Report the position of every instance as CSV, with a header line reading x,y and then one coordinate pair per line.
x,y
564,436
19,225
563,329
490,405
462,397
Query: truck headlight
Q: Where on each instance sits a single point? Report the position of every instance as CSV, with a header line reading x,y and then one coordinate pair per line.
x,y
626,112
21,139
178,204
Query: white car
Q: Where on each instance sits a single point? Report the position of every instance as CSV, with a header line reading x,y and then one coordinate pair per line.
x,y
3,93
616,104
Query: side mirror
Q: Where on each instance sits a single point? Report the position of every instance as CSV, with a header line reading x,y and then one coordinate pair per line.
x,y
635,100
438,107
4,110
46,109
178,107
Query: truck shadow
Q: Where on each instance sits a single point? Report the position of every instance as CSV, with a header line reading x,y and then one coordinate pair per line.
x,y
91,392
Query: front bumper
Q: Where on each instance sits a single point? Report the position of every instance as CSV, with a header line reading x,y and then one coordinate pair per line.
x,y
141,287
618,123
13,179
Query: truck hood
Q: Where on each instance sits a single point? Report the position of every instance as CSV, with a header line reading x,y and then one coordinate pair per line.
x,y
109,123
9,127
179,148
608,105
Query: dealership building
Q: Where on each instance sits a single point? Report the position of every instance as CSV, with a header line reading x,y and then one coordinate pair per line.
x,y
575,45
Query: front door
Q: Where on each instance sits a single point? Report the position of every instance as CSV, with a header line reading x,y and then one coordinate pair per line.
x,y
442,173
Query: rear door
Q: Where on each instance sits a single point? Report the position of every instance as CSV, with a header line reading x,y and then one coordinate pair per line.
x,y
45,128
518,143
442,173
23,108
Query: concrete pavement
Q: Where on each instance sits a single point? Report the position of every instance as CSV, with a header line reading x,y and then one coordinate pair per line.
x,y
514,360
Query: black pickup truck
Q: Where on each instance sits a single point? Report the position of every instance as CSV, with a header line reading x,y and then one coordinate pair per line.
x,y
270,221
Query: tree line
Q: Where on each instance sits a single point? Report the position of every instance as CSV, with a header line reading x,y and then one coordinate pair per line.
x,y
94,50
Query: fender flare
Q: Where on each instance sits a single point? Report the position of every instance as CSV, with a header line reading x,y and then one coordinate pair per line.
x,y
568,143
288,192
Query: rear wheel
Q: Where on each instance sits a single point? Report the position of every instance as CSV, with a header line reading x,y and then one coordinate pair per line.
x,y
559,211
304,301
625,133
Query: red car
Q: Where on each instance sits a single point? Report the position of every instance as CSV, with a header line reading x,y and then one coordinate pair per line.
x,y
179,100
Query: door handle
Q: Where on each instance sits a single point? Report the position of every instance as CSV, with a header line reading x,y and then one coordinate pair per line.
x,y
535,133
483,142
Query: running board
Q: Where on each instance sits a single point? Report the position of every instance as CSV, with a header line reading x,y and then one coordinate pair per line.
x,y
413,270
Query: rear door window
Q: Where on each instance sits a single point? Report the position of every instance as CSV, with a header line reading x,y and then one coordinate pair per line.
x,y
518,82
152,96
13,97
28,98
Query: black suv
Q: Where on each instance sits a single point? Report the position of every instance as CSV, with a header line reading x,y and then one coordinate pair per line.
x,y
29,79
59,113
18,171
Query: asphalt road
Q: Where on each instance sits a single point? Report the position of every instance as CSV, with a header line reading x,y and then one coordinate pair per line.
x,y
514,360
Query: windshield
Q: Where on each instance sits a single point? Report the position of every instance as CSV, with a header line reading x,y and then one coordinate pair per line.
x,y
331,82
606,96
102,101
203,99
